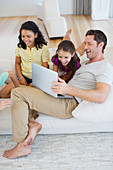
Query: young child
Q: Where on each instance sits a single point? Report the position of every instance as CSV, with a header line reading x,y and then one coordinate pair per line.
x,y
66,60
5,92
32,48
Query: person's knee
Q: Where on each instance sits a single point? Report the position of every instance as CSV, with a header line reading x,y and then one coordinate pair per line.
x,y
2,95
15,92
11,74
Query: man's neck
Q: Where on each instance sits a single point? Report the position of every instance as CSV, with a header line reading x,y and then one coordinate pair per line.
x,y
97,58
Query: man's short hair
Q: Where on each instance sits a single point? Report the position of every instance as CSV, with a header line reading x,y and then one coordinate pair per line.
x,y
99,37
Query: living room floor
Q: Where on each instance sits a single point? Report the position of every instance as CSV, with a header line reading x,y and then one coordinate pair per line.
x,y
92,151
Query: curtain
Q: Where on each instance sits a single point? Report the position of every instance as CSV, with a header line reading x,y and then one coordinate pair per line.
x,y
111,9
82,7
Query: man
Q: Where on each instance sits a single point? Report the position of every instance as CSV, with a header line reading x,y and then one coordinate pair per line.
x,y
91,82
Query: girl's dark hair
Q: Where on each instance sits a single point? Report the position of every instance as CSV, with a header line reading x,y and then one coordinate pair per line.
x,y
68,46
99,37
31,26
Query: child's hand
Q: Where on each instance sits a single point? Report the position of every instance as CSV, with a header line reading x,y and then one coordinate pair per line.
x,y
22,81
30,84
5,103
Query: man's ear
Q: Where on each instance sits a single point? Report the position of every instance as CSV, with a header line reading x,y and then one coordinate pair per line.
x,y
101,44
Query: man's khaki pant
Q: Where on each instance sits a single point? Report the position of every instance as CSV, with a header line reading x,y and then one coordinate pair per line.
x,y
26,98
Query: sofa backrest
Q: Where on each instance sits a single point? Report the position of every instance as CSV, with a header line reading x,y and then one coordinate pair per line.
x,y
50,9
8,64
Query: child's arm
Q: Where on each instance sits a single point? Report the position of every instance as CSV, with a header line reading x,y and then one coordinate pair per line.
x,y
54,60
18,71
13,78
45,64
67,77
55,68
5,103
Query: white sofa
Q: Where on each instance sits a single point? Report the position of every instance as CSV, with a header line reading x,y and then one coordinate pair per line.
x,y
55,24
51,125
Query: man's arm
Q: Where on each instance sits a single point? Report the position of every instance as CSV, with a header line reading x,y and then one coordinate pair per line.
x,y
98,96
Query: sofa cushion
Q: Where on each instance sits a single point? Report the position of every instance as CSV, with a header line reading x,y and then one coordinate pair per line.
x,y
7,65
95,112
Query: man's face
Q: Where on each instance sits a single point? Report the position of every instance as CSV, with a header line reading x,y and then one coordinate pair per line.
x,y
91,47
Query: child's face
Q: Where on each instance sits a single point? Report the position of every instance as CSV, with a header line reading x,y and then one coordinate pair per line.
x,y
28,37
64,57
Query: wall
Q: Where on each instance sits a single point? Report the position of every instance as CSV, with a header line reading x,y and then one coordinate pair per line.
x,y
17,8
28,7
100,9
66,7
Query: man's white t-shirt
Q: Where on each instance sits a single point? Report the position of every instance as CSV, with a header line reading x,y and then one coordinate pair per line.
x,y
88,75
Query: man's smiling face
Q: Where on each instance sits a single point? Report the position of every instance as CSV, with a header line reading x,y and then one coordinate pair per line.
x,y
91,47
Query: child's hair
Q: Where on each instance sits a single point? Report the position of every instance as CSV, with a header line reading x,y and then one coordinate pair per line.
x,y
31,26
67,46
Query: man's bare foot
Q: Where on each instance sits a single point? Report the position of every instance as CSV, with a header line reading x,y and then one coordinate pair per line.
x,y
34,129
68,34
32,120
18,151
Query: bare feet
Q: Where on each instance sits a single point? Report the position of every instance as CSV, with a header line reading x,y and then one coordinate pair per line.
x,y
18,151
68,34
34,129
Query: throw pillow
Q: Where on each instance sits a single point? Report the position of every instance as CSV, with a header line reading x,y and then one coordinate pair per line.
x,y
95,112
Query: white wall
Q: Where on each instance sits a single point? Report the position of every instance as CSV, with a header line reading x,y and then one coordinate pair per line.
x,y
100,9
28,7
17,7
66,7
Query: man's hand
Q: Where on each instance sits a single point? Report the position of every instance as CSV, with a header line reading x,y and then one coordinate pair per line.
x,y
5,103
59,87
